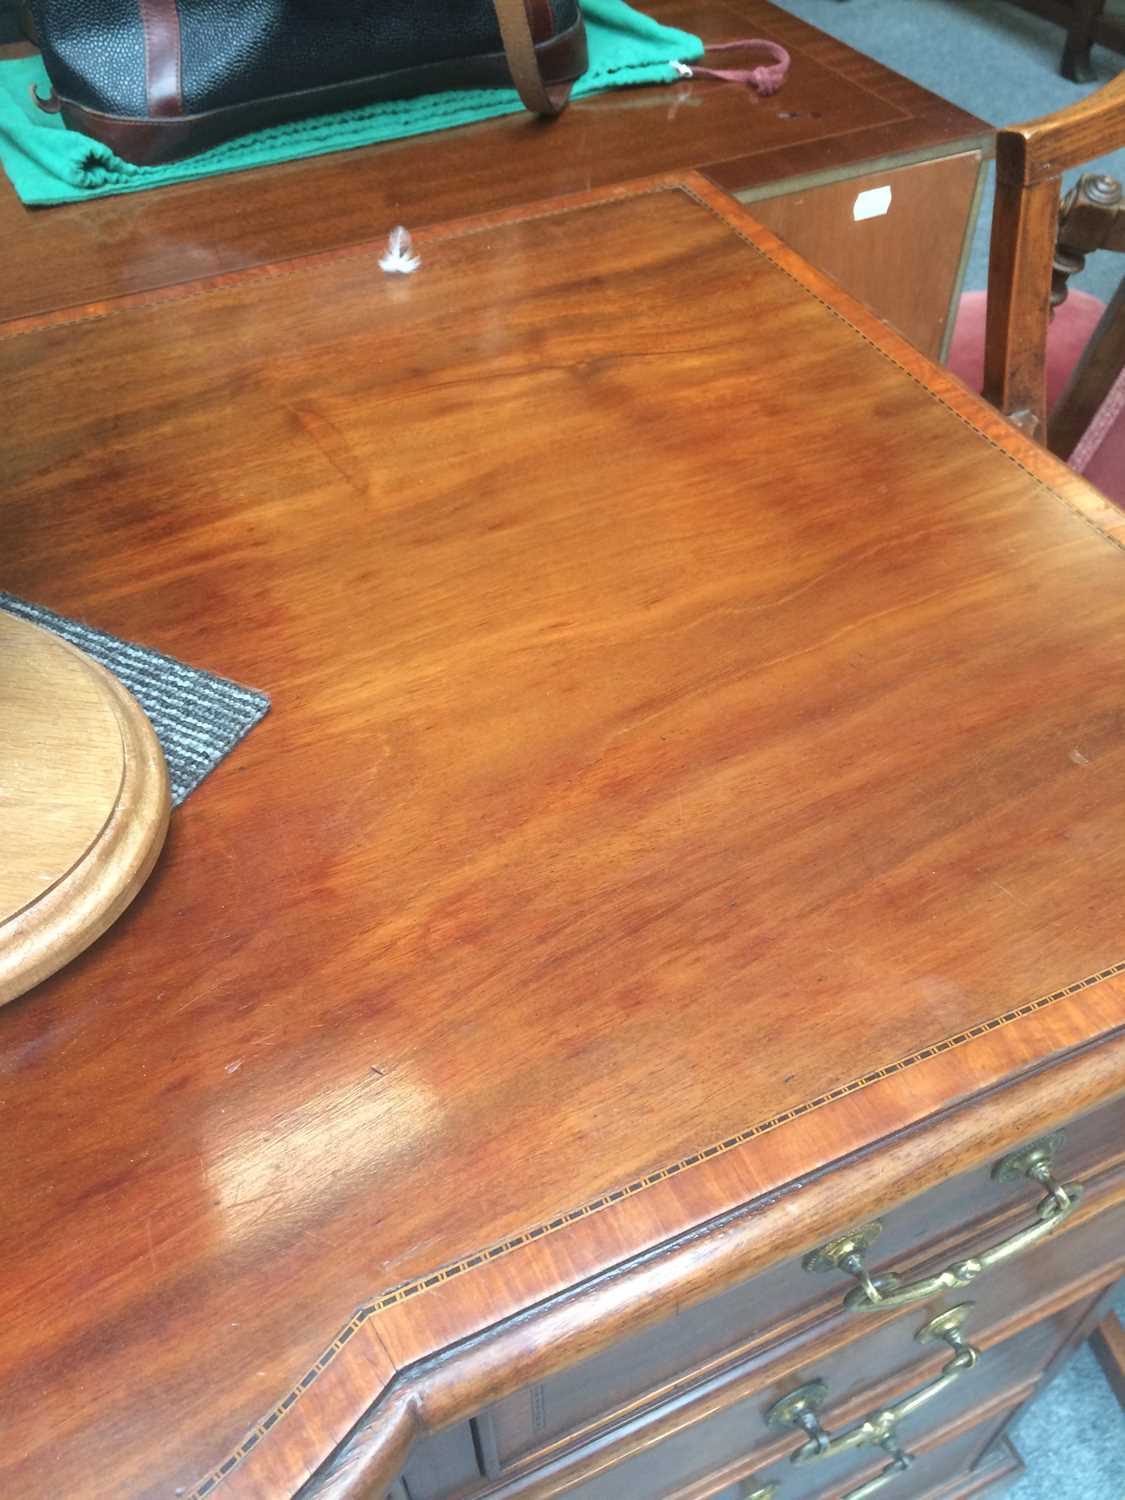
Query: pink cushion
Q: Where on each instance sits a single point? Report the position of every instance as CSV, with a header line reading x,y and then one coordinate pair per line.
x,y
1103,463
1100,453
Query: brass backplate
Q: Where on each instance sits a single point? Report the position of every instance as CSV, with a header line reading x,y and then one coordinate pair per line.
x,y
791,1408
827,1257
1020,1163
945,1323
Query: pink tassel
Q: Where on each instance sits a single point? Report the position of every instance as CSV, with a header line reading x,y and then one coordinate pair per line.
x,y
767,78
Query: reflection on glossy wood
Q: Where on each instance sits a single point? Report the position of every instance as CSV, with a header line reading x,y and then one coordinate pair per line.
x,y
673,789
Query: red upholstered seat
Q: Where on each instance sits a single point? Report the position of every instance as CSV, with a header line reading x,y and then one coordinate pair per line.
x,y
1101,453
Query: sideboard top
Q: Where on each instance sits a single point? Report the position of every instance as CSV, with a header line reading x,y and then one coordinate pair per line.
x,y
689,710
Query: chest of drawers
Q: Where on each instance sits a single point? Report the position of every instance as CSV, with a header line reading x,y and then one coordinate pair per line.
x,y
684,1408
688,829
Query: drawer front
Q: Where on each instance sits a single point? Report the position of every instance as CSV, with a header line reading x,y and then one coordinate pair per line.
x,y
441,1466
948,1463
1020,1318
736,1438
949,1469
658,1363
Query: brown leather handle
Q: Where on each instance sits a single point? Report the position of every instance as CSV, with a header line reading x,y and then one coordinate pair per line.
x,y
519,48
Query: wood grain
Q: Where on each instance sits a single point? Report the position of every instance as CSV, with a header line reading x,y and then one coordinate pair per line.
x,y
63,762
670,792
1040,150
83,803
1024,223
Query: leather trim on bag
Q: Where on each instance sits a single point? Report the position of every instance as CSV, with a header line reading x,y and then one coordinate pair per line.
x,y
148,141
542,19
160,21
523,61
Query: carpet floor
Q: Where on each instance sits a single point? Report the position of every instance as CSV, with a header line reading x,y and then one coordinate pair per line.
x,y
993,59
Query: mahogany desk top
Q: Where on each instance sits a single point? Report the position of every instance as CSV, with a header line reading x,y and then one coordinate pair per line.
x,y
837,113
696,754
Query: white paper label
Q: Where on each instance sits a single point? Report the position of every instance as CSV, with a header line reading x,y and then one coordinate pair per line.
x,y
872,204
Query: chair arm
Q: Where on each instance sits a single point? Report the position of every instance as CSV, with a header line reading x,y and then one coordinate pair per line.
x,y
1045,148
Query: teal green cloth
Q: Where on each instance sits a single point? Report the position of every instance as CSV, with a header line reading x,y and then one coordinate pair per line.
x,y
47,163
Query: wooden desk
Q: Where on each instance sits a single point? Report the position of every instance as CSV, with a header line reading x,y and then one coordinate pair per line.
x,y
842,123
696,739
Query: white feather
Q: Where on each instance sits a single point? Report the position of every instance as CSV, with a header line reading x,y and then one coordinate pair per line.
x,y
399,255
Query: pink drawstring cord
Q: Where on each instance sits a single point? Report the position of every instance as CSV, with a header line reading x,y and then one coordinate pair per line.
x,y
767,78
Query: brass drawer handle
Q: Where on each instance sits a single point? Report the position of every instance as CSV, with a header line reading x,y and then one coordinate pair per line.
x,y
847,1252
880,1430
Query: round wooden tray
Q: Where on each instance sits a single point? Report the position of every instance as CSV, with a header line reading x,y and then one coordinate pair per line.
x,y
83,803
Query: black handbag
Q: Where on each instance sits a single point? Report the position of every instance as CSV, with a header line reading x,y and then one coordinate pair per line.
x,y
160,79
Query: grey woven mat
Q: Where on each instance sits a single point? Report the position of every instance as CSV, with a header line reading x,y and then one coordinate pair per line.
x,y
198,717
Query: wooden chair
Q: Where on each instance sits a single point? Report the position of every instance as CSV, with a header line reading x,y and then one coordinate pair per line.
x,y
1036,246
1086,23
1092,217
1030,262
1108,1344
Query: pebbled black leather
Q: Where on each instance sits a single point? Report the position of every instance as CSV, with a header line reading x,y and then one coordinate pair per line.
x,y
95,52
237,51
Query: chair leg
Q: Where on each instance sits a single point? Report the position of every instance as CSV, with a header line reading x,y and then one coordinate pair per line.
x,y
1076,63
1108,1343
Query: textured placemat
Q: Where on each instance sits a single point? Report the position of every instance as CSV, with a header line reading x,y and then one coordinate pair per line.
x,y
198,717
47,163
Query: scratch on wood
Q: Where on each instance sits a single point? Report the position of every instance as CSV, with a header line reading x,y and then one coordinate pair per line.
x,y
334,446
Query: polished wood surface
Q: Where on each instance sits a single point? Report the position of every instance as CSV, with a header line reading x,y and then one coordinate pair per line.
x,y
1030,161
83,803
674,785
1040,150
837,111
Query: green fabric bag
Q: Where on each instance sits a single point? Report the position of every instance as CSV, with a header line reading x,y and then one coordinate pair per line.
x,y
47,163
